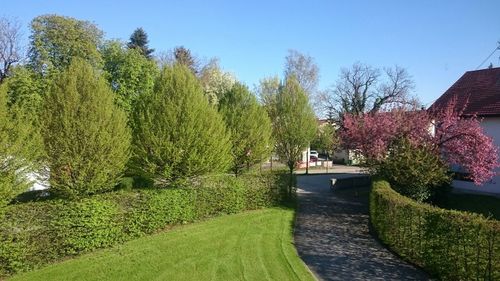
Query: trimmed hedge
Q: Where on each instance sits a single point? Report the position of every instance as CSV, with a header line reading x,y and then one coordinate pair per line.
x,y
450,245
35,233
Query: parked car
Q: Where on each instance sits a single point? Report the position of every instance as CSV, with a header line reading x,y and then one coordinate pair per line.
x,y
313,155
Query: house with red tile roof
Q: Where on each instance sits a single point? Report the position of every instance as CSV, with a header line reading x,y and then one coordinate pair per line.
x,y
477,93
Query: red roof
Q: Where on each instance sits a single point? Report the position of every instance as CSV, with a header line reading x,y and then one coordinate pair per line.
x,y
478,91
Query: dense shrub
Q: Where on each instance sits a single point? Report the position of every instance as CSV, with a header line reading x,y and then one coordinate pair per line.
x,y
450,245
413,170
85,134
35,233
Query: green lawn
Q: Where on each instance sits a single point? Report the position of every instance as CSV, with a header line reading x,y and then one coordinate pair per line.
x,y
255,245
482,204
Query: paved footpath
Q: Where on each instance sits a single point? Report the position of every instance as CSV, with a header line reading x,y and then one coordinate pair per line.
x,y
332,235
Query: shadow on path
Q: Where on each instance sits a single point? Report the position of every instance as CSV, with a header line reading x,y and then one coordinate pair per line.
x,y
332,235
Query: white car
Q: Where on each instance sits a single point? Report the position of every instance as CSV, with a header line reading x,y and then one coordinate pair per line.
x,y
313,154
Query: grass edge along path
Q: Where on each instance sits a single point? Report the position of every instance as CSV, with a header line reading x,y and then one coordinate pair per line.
x,y
254,245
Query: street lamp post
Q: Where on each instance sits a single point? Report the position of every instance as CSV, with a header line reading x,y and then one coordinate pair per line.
x,y
307,160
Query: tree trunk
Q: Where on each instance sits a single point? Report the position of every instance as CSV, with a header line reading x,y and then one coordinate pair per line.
x,y
290,185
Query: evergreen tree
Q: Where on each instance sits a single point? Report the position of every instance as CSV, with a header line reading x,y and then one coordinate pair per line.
x,y
294,123
177,133
139,40
86,135
184,57
20,148
249,125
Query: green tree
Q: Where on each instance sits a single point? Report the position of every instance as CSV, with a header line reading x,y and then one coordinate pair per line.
x,y
139,40
56,40
25,89
129,73
326,139
268,91
249,125
177,133
294,123
413,170
86,135
20,149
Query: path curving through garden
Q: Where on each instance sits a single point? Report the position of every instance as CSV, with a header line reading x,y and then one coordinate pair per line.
x,y
332,235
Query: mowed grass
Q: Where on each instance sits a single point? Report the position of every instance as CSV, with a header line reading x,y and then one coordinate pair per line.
x,y
255,245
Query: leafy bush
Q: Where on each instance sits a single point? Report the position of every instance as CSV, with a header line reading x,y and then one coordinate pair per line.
x,y
35,233
86,135
451,245
413,170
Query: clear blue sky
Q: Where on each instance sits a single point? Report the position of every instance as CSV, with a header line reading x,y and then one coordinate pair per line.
x,y
437,41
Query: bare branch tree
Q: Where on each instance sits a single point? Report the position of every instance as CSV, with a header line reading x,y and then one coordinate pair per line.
x,y
395,90
361,89
305,70
10,47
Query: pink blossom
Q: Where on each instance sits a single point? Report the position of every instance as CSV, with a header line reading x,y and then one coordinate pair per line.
x,y
459,140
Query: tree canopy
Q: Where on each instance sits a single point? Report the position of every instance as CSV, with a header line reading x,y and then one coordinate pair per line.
x,y
56,40
130,74
294,122
362,88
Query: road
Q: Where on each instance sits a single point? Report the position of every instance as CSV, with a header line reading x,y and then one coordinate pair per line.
x,y
332,235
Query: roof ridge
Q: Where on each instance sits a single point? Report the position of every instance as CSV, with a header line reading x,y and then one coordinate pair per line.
x,y
484,69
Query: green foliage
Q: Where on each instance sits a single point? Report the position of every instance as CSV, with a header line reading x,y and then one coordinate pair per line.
x,y
88,224
249,126
56,40
213,197
35,233
326,139
177,133
414,171
25,89
20,148
139,41
451,245
86,135
130,74
294,123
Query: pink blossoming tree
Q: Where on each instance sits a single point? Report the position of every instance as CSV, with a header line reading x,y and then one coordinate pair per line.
x,y
458,140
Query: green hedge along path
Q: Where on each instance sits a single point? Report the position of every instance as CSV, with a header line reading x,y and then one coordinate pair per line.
x,y
255,245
